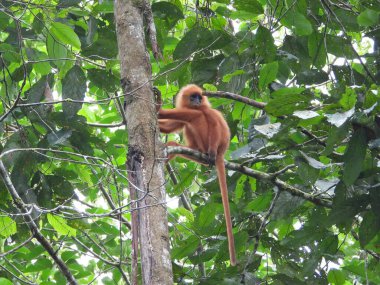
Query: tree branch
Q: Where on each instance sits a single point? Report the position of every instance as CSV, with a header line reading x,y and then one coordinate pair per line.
x,y
272,177
236,97
148,16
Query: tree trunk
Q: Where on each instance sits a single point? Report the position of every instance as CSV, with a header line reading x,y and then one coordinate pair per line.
x,y
145,169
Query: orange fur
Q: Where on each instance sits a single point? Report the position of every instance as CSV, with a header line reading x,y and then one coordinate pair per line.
x,y
205,130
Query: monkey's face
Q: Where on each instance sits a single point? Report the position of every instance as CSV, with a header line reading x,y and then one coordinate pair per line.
x,y
195,99
190,96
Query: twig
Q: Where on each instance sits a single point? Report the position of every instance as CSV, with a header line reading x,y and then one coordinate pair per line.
x,y
148,15
255,174
14,275
188,207
236,97
262,226
374,254
110,202
16,247
18,97
22,208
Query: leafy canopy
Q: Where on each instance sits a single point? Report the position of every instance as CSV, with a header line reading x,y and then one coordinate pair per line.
x,y
315,65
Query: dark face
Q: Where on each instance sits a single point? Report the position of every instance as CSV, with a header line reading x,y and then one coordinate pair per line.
x,y
195,99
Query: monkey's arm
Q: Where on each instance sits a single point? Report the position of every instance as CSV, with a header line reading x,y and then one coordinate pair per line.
x,y
180,115
169,126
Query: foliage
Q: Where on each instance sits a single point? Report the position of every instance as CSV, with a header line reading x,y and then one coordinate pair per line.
x,y
314,63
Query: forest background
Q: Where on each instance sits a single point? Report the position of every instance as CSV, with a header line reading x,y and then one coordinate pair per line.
x,y
297,81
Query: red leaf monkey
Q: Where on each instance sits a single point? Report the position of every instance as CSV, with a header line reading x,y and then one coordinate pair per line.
x,y
205,130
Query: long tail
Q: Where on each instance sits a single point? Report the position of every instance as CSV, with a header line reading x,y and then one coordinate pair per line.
x,y
220,168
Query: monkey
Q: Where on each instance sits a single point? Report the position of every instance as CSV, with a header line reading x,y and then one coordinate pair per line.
x,y
204,130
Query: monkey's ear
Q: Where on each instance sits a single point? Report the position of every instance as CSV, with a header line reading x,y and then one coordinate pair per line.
x,y
158,98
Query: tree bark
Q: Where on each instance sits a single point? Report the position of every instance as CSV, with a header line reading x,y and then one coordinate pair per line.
x,y
145,168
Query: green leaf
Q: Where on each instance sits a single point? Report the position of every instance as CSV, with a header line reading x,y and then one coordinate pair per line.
x,y
336,277
60,225
301,237
106,7
298,22
368,18
312,76
348,99
346,18
260,203
241,238
7,226
105,228
267,74
228,77
369,228
252,6
185,247
335,136
329,245
59,137
193,40
41,264
56,50
172,72
4,281
73,87
36,92
287,104
340,47
68,3
65,34
9,53
287,91
41,66
205,215
205,70
205,255
104,46
345,75
263,44
354,156
168,12
345,208
103,79
285,206
317,50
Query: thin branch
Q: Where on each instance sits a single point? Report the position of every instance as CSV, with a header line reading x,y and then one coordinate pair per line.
x,y
14,275
262,226
148,15
272,177
236,97
23,208
187,206
105,125
25,72
16,247
89,250
110,201
374,254
328,10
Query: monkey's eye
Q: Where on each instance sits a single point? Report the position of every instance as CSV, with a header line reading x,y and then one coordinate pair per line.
x,y
196,97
